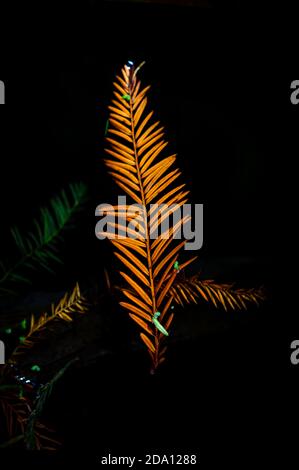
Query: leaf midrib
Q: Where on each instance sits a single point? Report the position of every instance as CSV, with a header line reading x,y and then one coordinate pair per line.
x,y
148,248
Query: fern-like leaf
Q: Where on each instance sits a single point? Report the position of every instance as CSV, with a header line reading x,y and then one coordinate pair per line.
x,y
64,310
36,434
135,146
220,295
15,410
22,418
39,248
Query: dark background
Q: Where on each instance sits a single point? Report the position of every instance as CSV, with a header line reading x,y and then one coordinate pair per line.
x,y
220,85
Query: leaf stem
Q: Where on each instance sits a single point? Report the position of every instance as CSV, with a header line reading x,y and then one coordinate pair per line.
x,y
147,239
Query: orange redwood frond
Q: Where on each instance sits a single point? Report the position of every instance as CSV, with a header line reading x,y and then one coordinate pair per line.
x,y
135,146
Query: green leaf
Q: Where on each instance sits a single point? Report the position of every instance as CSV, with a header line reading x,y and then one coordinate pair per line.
x,y
38,248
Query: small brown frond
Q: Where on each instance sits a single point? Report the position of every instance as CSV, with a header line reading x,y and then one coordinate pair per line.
x,y
64,310
15,411
220,295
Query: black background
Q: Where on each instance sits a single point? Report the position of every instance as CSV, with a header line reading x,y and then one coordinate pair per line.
x,y
220,84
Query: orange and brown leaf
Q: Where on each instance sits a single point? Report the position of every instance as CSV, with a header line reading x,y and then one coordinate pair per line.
x,y
136,162
146,249
15,410
69,304
220,295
